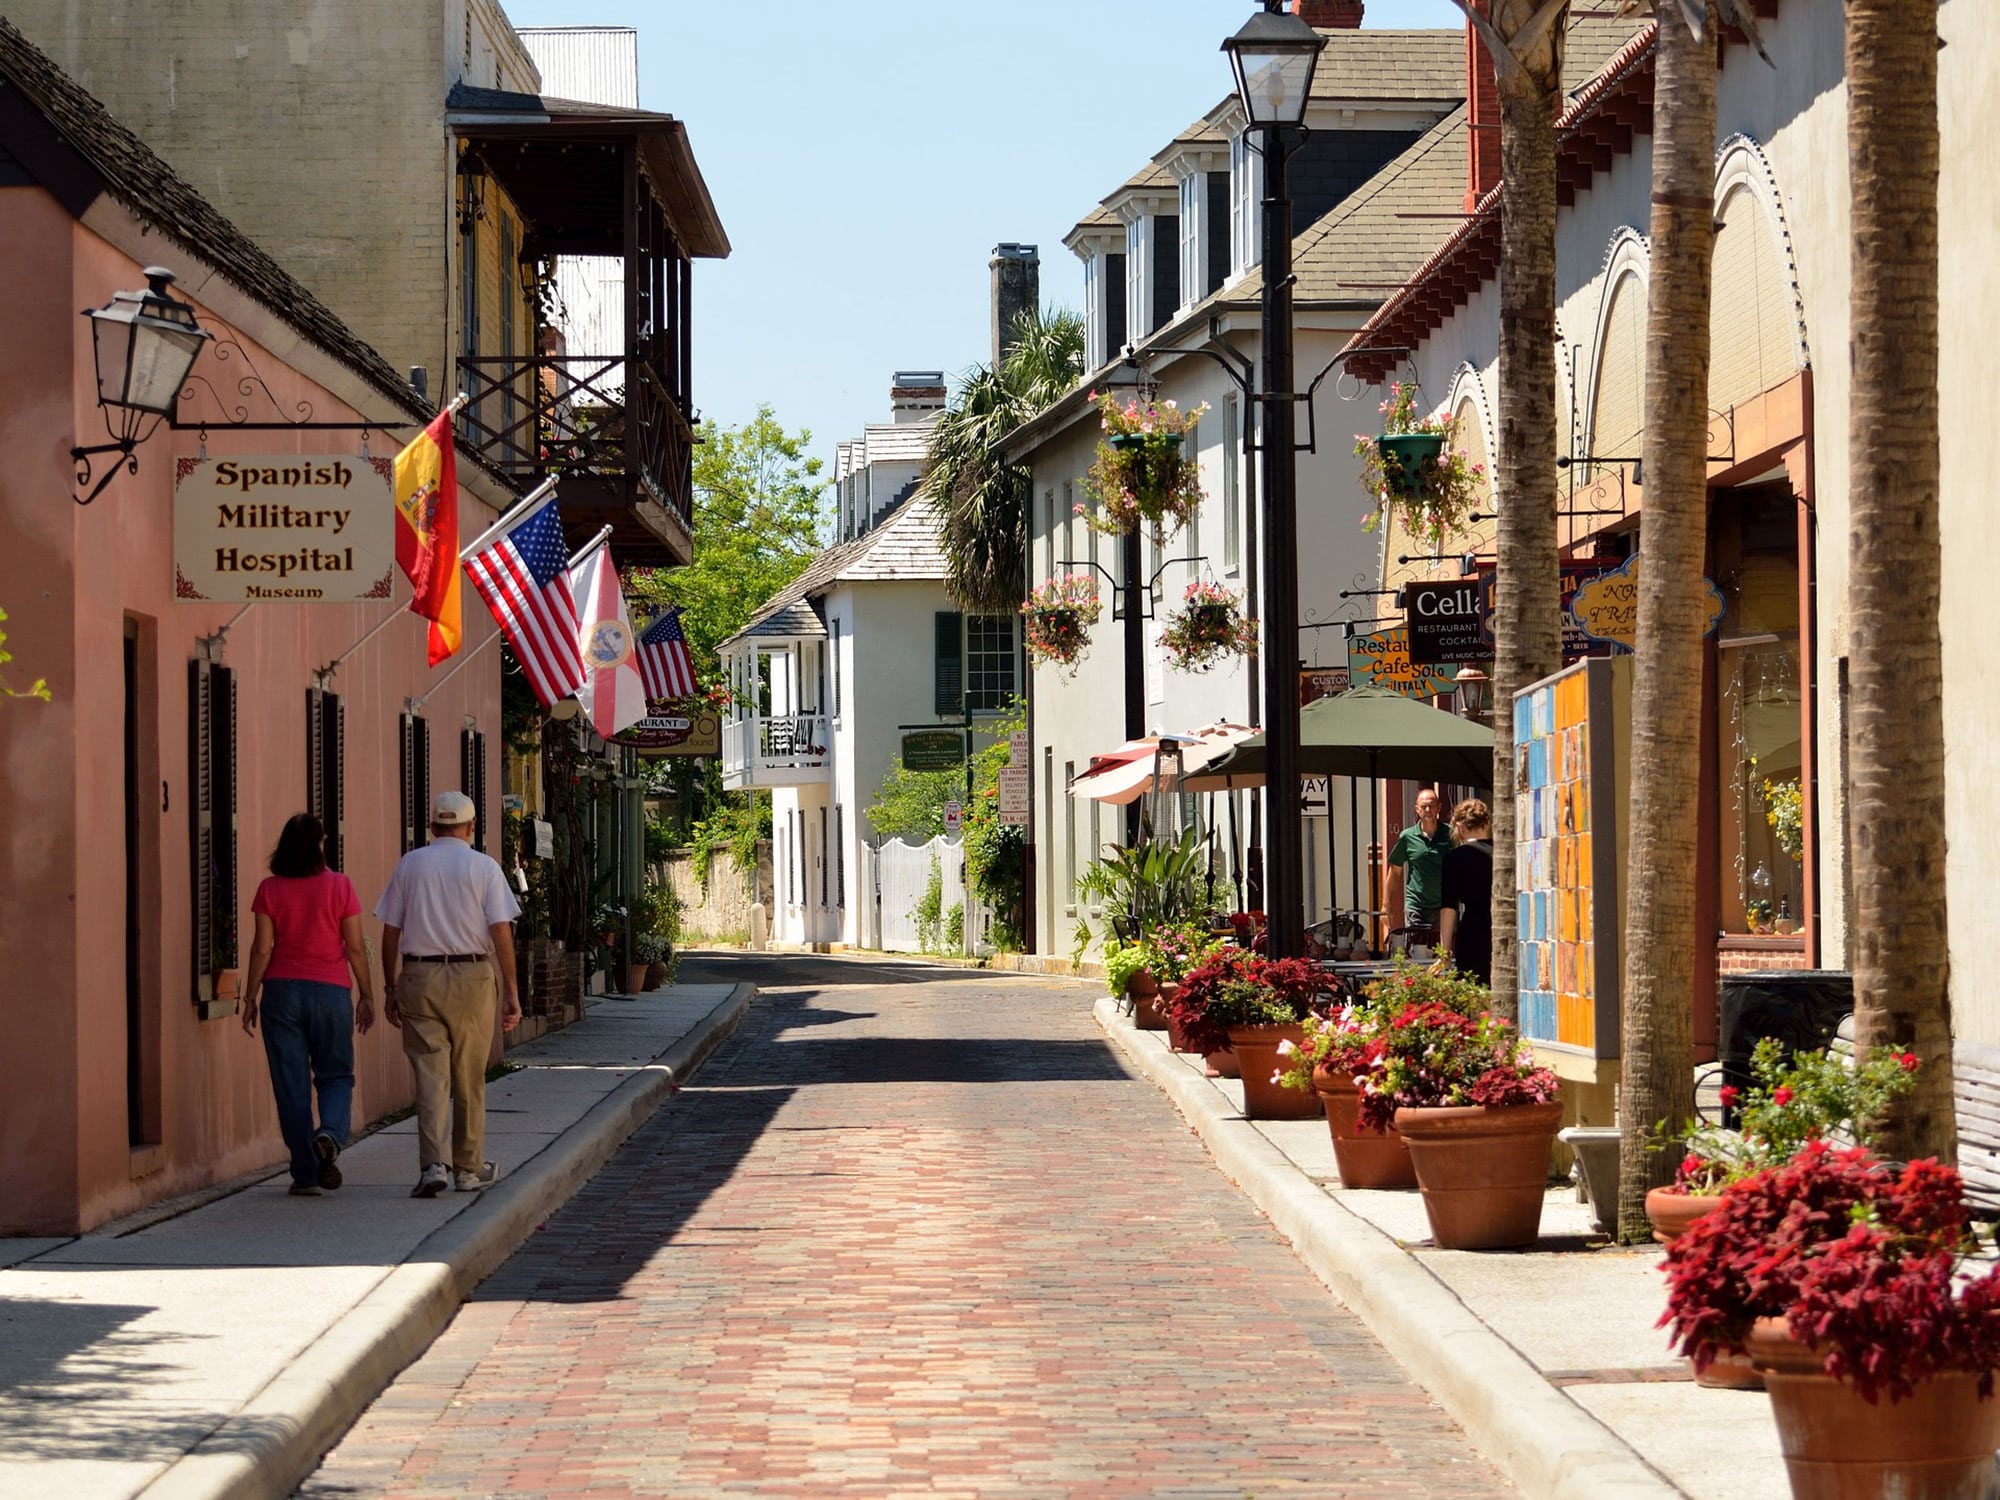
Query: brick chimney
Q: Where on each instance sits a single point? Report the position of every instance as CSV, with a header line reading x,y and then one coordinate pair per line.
x,y
1482,101
1017,289
1329,15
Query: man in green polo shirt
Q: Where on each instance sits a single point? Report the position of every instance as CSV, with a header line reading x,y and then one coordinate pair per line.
x,y
1419,857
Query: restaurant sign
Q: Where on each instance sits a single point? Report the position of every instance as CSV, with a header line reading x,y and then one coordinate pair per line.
x,y
933,749
310,527
1446,622
1320,682
669,730
1382,660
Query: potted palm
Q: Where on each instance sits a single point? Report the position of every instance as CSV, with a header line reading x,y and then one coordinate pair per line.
x,y
1844,1279
1207,627
1412,469
1140,475
1056,619
1478,1117
1254,1006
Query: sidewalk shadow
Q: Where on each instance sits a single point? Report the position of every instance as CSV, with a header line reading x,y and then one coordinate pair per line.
x,y
68,1375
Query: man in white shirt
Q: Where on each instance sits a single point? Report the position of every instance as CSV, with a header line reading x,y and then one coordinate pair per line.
x,y
447,927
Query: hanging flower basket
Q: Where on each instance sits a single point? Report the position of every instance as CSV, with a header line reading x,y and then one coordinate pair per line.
x,y
1207,627
1057,616
1140,473
1413,471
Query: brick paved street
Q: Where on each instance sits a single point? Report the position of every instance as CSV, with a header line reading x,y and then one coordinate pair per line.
x,y
914,1232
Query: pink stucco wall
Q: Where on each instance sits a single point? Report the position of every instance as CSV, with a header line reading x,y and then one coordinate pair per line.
x,y
69,578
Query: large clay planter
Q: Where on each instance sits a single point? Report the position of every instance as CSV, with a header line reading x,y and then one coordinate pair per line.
x,y
1367,1158
1221,1064
1672,1213
1146,1012
656,974
1482,1171
1256,1049
1142,985
1937,1445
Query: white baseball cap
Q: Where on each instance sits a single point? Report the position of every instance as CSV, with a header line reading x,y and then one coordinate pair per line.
x,y
452,808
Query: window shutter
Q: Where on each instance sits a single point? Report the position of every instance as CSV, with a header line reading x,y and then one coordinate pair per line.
x,y
406,790
222,814
201,842
472,777
420,778
950,659
840,857
335,735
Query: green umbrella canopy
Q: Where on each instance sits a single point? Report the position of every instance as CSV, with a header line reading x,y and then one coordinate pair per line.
x,y
1368,732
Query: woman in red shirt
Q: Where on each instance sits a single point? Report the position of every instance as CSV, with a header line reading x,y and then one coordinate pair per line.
x,y
308,943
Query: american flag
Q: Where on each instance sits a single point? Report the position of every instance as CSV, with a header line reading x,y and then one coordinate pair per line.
x,y
522,579
664,662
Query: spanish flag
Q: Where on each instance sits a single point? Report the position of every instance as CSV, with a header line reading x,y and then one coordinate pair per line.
x,y
427,533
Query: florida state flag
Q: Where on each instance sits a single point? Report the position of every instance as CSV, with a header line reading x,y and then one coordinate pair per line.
x,y
427,532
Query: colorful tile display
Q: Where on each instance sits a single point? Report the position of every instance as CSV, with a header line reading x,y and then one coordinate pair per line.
x,y
1559,975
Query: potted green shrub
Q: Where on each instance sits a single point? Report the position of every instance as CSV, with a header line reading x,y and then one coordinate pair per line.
x,y
1478,1116
1843,1278
1253,1005
1126,971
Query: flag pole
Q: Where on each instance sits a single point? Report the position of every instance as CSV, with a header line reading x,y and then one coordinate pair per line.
x,y
381,625
577,558
413,704
513,514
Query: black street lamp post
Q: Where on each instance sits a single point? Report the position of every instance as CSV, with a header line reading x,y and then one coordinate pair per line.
x,y
1274,56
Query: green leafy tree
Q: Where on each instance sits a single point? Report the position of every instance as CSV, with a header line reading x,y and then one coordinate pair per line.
x,y
983,501
909,805
996,858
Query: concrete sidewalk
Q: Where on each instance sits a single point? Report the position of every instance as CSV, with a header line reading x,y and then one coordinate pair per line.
x,y
220,1351
1549,1357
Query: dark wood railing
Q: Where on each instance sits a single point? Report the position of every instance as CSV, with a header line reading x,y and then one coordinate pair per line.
x,y
587,415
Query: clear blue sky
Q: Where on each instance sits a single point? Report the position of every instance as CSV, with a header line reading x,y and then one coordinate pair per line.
x,y
866,157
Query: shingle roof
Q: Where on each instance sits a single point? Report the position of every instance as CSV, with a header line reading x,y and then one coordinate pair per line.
x,y
895,442
156,195
1370,64
902,545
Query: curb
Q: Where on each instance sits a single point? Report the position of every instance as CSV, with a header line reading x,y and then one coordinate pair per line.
x,y
280,1435
1551,1448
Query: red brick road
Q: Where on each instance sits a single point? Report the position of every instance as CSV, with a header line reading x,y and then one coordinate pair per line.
x,y
907,1238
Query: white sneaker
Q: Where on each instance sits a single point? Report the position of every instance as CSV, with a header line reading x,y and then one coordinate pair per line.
x,y
472,1182
436,1178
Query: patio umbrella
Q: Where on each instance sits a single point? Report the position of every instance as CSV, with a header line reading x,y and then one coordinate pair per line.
x,y
1367,732
1126,774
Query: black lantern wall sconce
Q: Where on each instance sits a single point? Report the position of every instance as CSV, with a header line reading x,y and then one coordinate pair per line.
x,y
144,343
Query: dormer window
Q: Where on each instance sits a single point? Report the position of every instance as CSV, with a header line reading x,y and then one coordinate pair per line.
x,y
1204,228
1152,268
1246,195
1104,295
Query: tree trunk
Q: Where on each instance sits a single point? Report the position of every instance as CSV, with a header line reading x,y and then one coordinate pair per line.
x,y
1661,943
1895,795
1527,621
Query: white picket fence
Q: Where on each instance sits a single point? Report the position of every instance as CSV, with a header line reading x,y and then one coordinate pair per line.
x,y
894,878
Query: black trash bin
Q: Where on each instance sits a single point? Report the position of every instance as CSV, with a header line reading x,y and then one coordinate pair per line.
x,y
1802,1008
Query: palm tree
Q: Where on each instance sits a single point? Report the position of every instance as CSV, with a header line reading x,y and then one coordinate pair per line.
x,y
1657,1024
982,500
1895,792
1525,40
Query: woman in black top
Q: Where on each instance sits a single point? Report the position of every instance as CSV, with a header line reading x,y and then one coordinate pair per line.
x,y
1465,917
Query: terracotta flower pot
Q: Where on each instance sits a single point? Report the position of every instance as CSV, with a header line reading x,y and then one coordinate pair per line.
x,y
656,974
1256,1049
1142,985
1482,1170
1672,1212
1146,1013
1176,1038
1221,1064
1937,1445
1367,1158
635,979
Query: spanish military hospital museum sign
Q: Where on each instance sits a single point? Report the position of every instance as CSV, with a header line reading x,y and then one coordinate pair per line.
x,y
315,527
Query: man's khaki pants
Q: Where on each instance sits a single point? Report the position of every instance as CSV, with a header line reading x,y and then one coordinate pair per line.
x,y
447,1032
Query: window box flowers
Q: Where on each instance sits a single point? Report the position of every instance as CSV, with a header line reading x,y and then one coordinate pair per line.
x,y
1140,473
1208,626
1843,1278
1479,1119
1412,469
1057,616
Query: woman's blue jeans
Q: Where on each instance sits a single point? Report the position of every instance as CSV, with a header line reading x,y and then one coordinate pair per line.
x,y
309,1043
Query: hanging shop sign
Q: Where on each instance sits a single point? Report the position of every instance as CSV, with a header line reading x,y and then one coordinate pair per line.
x,y
1606,609
1382,660
933,749
1446,622
1320,682
1573,576
666,730
311,527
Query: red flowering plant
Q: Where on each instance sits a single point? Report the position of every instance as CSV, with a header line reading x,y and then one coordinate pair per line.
x,y
1056,619
1864,1261
1348,1042
1434,1056
1207,627
1810,1096
1235,987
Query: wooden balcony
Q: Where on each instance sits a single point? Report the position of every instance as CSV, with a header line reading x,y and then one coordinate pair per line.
x,y
782,750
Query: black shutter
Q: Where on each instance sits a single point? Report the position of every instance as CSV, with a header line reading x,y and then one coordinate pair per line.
x,y
334,737
840,857
420,741
222,814
472,779
1166,241
1113,293
950,660
406,789
316,755
201,825
1216,269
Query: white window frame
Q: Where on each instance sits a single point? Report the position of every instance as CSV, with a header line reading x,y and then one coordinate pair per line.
x,y
1093,314
1246,193
1138,279
1194,216
1232,484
